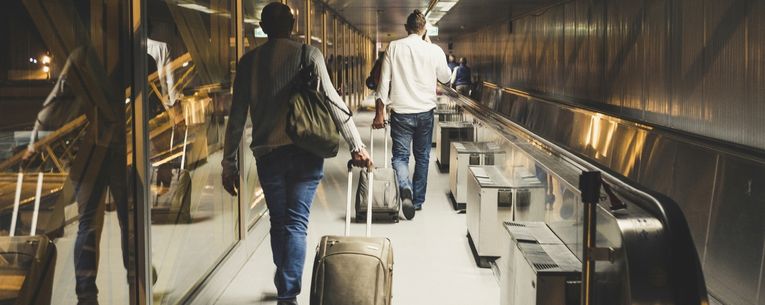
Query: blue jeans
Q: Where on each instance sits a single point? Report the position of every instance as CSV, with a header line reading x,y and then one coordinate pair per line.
x,y
415,130
289,177
110,172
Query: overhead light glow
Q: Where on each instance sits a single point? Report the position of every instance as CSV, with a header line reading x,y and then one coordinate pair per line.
x,y
444,6
251,21
259,33
197,7
432,30
439,10
46,69
45,59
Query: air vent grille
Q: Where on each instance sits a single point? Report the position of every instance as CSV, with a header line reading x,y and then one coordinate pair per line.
x,y
515,224
544,266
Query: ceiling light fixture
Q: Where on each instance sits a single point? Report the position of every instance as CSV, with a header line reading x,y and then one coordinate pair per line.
x,y
439,10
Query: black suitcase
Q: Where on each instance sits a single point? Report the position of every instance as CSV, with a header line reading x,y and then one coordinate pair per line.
x,y
27,263
353,270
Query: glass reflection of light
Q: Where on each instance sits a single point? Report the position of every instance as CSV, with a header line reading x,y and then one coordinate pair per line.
x,y
257,197
593,136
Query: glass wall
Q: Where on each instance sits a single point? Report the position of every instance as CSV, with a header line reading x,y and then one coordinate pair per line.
x,y
331,50
71,81
299,11
316,16
191,59
252,194
64,146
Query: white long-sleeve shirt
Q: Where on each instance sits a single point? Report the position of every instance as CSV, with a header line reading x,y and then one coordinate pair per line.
x,y
410,70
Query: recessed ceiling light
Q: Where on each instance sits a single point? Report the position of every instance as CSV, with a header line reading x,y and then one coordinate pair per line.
x,y
439,10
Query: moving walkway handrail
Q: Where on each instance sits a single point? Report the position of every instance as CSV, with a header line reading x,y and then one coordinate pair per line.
x,y
662,207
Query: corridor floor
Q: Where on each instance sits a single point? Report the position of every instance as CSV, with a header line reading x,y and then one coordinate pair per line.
x,y
433,262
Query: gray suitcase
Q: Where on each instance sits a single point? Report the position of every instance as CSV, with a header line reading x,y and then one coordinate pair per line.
x,y
387,202
353,270
27,263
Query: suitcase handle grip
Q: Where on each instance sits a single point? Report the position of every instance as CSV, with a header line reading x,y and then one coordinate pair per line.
x,y
372,144
348,202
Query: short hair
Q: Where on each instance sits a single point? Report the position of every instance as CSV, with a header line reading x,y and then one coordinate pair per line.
x,y
451,57
415,22
276,18
463,61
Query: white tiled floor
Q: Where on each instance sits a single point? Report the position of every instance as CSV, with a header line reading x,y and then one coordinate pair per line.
x,y
433,263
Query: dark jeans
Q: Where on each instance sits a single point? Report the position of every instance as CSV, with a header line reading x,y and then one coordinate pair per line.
x,y
289,177
415,130
90,191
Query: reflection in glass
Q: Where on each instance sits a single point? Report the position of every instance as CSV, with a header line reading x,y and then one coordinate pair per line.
x,y
316,16
298,10
64,125
251,192
194,221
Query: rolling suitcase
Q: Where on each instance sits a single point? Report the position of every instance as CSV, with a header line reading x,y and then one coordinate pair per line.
x,y
27,263
353,270
387,202
175,206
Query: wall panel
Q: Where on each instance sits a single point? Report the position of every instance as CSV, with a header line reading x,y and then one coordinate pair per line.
x,y
690,65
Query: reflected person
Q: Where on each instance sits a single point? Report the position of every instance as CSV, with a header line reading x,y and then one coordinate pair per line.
x,y
288,174
101,162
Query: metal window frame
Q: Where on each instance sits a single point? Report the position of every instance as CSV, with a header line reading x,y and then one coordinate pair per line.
x,y
141,290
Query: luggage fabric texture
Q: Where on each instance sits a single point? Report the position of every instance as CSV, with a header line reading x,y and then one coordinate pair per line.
x,y
386,202
352,270
175,206
27,263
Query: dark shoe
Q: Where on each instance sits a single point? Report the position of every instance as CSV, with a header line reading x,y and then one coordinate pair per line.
x,y
418,207
407,205
87,301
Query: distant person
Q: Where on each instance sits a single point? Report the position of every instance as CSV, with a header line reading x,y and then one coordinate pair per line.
x,y
461,77
410,69
452,62
288,174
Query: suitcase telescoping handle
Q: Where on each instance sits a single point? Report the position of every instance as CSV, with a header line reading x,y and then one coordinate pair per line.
x,y
348,203
17,202
372,144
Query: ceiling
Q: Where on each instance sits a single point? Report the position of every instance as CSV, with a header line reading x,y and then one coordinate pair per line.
x,y
392,15
465,17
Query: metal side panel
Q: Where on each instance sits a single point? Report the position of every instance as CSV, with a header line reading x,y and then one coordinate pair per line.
x,y
734,257
655,261
693,187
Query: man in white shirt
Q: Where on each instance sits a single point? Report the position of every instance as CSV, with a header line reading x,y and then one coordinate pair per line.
x,y
410,70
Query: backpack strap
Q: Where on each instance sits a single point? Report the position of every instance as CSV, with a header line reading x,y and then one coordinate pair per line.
x,y
303,65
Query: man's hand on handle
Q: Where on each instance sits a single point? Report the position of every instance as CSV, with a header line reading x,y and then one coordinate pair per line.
x,y
361,159
379,120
